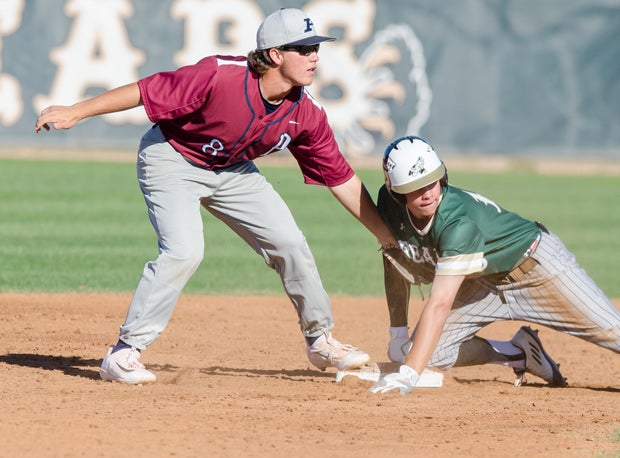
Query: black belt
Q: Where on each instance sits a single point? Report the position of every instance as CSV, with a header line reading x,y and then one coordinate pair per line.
x,y
542,227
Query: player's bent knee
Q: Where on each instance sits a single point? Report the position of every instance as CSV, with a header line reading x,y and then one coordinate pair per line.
x,y
182,264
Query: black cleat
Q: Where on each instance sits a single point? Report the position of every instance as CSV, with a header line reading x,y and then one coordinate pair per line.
x,y
537,361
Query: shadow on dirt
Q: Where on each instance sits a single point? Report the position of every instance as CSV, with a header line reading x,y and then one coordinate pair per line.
x,y
528,384
70,365
76,366
295,375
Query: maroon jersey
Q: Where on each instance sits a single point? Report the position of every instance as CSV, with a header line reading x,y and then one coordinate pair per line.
x,y
213,114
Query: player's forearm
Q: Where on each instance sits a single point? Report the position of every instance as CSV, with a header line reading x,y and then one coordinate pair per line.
x,y
354,196
115,100
432,319
426,335
65,117
397,291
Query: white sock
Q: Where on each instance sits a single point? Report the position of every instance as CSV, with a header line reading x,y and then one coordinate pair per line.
x,y
399,331
508,349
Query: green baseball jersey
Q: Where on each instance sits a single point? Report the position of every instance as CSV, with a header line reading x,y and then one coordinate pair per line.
x,y
469,235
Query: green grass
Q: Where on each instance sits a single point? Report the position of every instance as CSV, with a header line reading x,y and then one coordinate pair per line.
x,y
82,226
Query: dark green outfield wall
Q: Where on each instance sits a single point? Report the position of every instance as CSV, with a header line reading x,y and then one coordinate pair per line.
x,y
473,76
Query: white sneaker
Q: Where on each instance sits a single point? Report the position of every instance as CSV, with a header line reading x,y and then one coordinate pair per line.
x,y
398,347
328,352
537,361
123,366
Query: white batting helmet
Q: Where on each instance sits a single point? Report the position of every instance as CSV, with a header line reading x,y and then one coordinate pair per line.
x,y
410,163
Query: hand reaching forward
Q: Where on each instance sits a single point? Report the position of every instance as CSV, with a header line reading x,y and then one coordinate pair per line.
x,y
405,380
58,117
112,101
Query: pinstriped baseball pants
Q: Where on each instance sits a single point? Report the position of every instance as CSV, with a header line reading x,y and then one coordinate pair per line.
x,y
556,293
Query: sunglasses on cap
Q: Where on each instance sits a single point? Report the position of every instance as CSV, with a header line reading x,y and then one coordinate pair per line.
x,y
301,50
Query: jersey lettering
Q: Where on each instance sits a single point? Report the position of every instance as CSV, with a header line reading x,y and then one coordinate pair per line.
x,y
484,200
426,255
419,255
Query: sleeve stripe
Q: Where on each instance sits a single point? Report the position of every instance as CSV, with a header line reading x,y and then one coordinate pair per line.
x,y
463,264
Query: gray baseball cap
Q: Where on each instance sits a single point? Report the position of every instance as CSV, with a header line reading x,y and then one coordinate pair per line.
x,y
287,27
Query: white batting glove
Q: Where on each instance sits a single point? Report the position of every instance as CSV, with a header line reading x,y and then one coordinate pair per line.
x,y
405,380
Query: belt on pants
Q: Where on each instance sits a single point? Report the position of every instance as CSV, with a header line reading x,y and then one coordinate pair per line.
x,y
525,265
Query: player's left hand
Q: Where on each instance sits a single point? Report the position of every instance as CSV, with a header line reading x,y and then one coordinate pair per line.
x,y
404,380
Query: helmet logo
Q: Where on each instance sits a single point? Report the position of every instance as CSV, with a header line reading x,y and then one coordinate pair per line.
x,y
417,168
389,164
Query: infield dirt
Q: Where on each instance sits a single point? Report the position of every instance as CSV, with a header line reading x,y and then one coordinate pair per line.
x,y
233,380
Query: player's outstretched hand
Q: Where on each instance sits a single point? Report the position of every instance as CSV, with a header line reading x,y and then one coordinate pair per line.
x,y
56,116
404,380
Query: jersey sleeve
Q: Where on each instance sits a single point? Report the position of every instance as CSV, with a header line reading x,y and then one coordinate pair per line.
x,y
461,249
175,94
318,154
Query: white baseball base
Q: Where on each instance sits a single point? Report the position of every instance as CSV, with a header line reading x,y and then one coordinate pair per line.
x,y
428,379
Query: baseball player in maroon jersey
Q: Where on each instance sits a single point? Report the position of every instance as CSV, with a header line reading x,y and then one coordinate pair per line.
x,y
485,264
210,120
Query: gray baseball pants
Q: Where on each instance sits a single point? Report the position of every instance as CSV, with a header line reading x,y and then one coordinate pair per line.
x,y
174,191
556,293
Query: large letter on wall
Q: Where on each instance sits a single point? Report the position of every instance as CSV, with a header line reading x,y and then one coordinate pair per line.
x,y
216,27
96,54
11,106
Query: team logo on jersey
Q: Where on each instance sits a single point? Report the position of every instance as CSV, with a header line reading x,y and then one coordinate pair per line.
x,y
418,168
283,142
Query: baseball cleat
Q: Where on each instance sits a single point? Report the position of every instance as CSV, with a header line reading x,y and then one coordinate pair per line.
x,y
537,361
123,366
328,352
398,347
